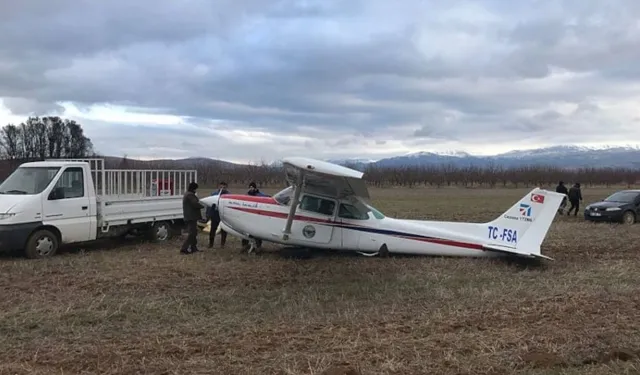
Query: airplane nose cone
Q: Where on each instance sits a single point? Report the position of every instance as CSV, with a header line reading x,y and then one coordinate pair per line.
x,y
209,201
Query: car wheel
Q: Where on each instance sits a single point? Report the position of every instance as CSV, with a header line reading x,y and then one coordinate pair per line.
x,y
161,231
41,244
628,217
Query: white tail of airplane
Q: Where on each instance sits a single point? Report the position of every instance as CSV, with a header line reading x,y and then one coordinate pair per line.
x,y
523,227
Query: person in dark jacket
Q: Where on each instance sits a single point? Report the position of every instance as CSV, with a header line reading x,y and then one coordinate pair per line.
x,y
191,210
214,216
575,197
254,191
562,190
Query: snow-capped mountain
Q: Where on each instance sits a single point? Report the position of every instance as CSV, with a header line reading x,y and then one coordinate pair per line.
x,y
452,153
561,156
354,161
564,150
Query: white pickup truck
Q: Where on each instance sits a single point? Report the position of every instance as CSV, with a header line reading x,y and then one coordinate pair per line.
x,y
48,203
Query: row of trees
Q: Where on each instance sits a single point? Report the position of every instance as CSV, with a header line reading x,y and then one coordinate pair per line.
x,y
44,137
436,176
52,137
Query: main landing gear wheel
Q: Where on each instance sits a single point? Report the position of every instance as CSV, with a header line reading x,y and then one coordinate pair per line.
x,y
368,254
253,247
41,244
383,252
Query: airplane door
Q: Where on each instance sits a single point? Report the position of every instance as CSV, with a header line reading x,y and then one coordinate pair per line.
x,y
314,221
356,227
68,208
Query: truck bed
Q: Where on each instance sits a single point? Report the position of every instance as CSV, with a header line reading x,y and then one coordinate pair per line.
x,y
119,210
130,196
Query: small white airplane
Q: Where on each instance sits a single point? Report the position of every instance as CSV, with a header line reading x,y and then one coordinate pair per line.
x,y
326,207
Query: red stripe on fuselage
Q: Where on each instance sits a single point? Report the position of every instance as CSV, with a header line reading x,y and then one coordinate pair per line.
x,y
439,241
282,215
249,198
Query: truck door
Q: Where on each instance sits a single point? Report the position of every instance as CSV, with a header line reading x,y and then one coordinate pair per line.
x,y
66,206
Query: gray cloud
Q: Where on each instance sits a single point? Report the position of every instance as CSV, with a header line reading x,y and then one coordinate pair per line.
x,y
345,77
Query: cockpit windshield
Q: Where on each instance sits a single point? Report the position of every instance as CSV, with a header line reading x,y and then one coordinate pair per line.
x,y
377,214
283,197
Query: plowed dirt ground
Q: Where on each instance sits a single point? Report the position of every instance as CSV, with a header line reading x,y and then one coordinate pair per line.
x,y
145,309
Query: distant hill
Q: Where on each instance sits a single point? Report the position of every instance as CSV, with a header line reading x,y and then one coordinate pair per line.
x,y
558,156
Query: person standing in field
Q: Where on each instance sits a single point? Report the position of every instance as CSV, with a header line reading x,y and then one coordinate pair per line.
x,y
192,213
214,216
562,190
575,196
253,191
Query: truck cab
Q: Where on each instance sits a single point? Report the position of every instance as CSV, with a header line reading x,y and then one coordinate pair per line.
x,y
47,203
47,196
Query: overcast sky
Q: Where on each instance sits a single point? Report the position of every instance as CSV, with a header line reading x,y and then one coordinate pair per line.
x,y
253,79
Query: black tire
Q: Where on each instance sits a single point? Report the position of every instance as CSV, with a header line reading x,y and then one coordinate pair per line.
x,y
42,243
628,217
161,231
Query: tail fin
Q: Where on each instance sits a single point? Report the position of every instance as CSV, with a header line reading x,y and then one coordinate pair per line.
x,y
523,227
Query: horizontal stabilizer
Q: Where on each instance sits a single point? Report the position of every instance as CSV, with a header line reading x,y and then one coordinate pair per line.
x,y
512,251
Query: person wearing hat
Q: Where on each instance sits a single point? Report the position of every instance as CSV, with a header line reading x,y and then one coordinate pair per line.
x,y
562,190
254,191
214,215
191,211
575,196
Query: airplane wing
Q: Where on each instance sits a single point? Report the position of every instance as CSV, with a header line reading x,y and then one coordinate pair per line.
x,y
326,178
320,177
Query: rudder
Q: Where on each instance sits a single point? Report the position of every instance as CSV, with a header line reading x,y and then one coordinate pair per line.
x,y
524,225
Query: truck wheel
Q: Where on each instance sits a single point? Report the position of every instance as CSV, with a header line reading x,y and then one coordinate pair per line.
x,y
161,232
628,217
41,244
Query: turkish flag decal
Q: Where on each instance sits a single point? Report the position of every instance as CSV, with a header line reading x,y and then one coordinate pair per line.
x,y
538,198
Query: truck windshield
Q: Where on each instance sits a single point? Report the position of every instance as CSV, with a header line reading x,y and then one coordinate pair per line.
x,y
28,180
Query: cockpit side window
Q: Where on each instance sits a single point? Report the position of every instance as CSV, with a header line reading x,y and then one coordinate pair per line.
x,y
348,211
317,205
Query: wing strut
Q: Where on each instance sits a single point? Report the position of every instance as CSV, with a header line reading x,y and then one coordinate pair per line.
x,y
297,191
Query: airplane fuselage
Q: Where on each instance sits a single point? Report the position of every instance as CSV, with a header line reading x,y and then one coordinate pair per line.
x,y
326,207
326,223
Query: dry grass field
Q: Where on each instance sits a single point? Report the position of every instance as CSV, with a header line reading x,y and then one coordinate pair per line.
x,y
143,309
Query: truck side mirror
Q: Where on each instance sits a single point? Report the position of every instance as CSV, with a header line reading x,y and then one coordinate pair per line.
x,y
56,193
